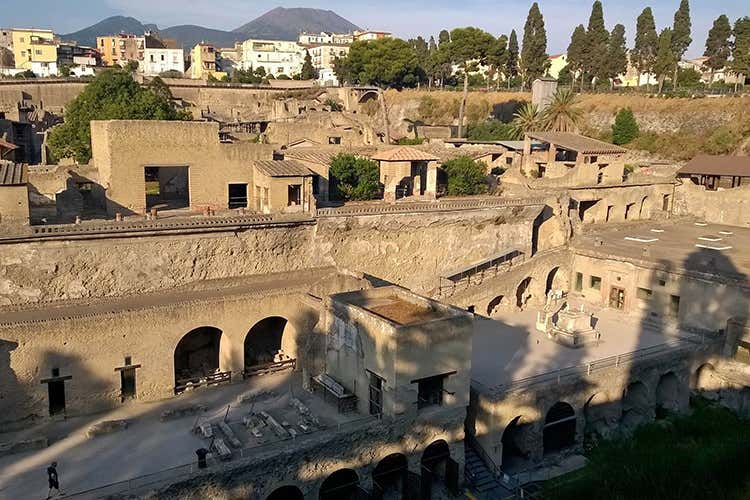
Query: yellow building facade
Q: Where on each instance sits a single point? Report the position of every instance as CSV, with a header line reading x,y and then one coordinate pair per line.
x,y
34,48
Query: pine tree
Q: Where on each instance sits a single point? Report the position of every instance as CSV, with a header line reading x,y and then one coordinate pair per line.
x,y
597,39
741,47
576,52
534,58
617,54
718,48
665,58
444,37
646,45
681,38
308,71
431,66
511,67
497,58
625,128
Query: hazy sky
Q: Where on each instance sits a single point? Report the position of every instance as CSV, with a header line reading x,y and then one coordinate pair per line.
x,y
403,18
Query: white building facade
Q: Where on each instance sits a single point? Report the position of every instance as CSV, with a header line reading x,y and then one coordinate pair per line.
x,y
158,60
277,57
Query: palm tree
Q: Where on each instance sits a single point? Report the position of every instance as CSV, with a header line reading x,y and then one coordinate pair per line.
x,y
562,114
528,118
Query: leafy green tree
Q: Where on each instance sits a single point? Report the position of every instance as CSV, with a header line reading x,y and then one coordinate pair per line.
x,y
468,48
112,95
741,48
354,178
562,114
422,49
497,58
718,48
689,77
576,51
646,45
465,176
597,43
625,128
617,54
681,31
131,66
512,66
665,58
308,70
490,130
528,118
534,57
444,37
565,76
64,70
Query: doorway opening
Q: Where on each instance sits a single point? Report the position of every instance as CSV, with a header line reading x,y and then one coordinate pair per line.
x,y
167,187
127,384
617,298
56,393
237,195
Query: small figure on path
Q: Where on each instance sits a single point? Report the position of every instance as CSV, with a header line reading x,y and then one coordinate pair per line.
x,y
202,452
54,483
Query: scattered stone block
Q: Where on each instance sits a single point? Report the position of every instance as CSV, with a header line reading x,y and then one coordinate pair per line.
x,y
24,445
301,408
253,396
304,428
229,434
277,428
206,430
180,412
256,432
222,450
106,427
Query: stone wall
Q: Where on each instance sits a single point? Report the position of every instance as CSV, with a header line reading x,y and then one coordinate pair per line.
x,y
51,96
728,206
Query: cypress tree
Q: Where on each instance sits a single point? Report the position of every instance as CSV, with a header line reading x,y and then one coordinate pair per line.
x,y
718,48
681,38
511,67
625,128
597,39
534,58
617,53
308,71
665,58
646,45
444,37
576,51
741,47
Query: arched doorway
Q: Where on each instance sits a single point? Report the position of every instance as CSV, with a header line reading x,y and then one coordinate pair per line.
x,y
494,305
523,294
667,395
341,485
513,454
288,492
644,211
389,478
550,284
196,359
706,380
437,465
263,347
636,406
599,416
559,428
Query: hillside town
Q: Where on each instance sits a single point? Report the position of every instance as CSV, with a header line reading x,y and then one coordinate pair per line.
x,y
348,265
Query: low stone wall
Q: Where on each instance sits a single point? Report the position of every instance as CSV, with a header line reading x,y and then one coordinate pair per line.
x,y
728,206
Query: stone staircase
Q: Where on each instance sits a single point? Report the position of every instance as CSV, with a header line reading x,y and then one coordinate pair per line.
x,y
481,480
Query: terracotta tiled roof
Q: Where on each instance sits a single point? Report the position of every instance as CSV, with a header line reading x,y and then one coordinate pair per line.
x,y
282,168
324,155
12,174
404,154
738,166
579,143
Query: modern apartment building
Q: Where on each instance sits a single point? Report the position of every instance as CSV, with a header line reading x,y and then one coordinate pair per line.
x,y
277,57
161,56
121,48
35,50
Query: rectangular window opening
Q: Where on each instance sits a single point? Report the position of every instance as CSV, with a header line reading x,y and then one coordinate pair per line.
x,y
644,293
595,282
430,391
579,282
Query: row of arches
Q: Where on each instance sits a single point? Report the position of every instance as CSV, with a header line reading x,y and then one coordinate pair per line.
x,y
198,353
390,477
525,292
560,430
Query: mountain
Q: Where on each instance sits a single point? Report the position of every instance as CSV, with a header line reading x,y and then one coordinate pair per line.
x,y
109,26
276,24
286,24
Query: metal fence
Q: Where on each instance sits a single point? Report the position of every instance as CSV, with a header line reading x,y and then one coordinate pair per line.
x,y
417,207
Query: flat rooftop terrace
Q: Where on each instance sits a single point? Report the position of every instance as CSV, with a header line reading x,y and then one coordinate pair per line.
x,y
397,305
508,348
674,245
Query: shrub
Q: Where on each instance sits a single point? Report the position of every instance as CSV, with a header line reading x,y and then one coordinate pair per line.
x,y
333,104
625,128
723,140
490,130
465,176
410,141
354,178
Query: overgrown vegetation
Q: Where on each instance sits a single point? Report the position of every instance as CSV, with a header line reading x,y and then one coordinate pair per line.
x,y
694,457
410,141
465,176
112,95
354,178
490,130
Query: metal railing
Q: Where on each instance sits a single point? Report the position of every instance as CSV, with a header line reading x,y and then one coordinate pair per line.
x,y
437,206
672,346
214,465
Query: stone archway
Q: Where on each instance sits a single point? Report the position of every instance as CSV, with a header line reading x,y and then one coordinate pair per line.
x,y
600,416
513,454
197,358
494,304
551,277
559,428
706,381
667,395
523,293
438,466
340,485
636,406
644,210
390,475
264,347
288,492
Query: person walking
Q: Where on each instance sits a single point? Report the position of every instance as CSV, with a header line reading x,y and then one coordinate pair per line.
x,y
54,482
